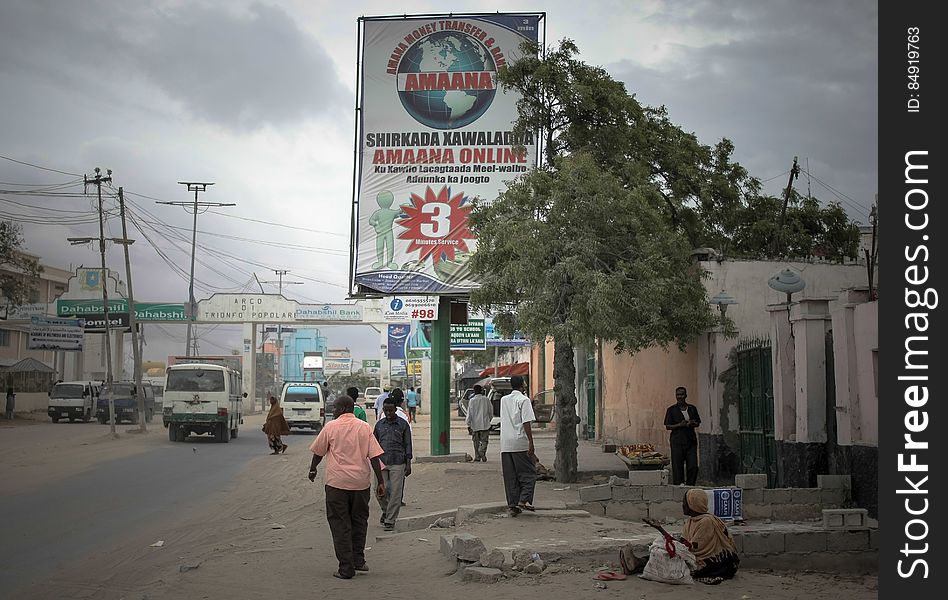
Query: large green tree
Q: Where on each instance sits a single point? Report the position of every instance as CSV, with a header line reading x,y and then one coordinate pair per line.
x,y
18,271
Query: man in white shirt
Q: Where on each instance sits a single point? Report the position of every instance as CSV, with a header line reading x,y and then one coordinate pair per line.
x,y
516,448
479,415
378,403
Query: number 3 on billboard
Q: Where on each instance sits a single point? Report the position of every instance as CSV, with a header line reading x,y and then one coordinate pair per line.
x,y
440,225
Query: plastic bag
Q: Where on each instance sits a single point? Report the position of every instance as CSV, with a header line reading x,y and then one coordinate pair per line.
x,y
666,569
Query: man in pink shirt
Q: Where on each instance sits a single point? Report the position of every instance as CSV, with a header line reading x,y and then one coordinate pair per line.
x,y
351,448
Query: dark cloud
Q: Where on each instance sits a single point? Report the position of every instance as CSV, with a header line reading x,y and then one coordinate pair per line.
x,y
241,70
790,79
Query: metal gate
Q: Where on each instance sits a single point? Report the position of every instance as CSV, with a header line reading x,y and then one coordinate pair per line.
x,y
756,404
591,396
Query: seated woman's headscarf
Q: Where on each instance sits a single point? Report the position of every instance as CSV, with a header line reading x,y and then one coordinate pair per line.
x,y
707,533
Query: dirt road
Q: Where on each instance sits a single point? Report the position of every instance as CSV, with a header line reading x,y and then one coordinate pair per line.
x,y
263,533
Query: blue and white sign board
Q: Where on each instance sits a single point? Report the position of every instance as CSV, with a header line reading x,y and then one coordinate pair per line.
x,y
50,333
405,309
726,503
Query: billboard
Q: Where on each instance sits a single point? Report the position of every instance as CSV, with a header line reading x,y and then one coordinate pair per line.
x,y
435,133
49,333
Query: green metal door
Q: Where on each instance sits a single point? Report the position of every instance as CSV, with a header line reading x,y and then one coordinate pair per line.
x,y
756,404
591,396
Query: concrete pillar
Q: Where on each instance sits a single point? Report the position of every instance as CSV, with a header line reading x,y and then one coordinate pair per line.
x,y
785,399
809,324
118,356
249,371
844,358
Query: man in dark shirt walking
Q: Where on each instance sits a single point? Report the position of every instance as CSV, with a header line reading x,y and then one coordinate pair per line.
x,y
394,435
682,419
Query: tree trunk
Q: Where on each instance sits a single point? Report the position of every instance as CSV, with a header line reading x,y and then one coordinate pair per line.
x,y
564,387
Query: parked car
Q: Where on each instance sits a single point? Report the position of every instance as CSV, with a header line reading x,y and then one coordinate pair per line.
x,y
73,400
462,401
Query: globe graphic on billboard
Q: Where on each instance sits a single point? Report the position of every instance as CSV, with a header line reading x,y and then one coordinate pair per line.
x,y
447,80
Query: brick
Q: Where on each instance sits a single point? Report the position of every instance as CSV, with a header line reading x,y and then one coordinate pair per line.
x,y
838,541
832,497
752,497
843,482
627,511
770,542
467,547
750,481
657,493
628,492
595,493
777,496
665,510
655,477
845,518
805,496
805,541
482,575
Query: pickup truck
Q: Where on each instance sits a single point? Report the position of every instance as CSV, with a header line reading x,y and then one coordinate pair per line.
x,y
126,402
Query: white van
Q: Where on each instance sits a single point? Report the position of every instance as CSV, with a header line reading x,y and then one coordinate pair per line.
x,y
72,400
303,404
202,398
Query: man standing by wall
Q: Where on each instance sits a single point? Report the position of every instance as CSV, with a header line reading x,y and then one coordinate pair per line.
x,y
682,419
478,417
351,448
516,448
412,398
394,436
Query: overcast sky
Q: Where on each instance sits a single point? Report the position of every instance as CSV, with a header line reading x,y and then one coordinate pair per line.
x,y
258,97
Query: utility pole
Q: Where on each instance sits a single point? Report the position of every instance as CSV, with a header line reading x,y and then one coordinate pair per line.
x,y
278,367
794,173
871,253
97,181
132,320
194,186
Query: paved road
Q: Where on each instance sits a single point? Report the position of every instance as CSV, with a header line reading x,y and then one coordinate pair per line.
x,y
75,516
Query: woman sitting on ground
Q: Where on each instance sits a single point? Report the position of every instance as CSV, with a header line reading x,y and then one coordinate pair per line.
x,y
276,426
710,540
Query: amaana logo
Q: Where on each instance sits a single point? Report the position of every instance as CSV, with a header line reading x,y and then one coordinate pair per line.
x,y
447,80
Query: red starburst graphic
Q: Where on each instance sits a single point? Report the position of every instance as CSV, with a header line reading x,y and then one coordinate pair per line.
x,y
436,225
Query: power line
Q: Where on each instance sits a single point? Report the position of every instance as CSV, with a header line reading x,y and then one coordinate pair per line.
x,y
20,162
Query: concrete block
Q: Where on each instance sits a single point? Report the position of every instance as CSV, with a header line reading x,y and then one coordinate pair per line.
x,y
615,481
758,511
750,481
874,539
845,518
777,496
595,493
843,482
628,493
493,559
444,458
796,512
416,522
467,511
769,542
447,545
657,493
656,477
597,509
805,496
839,541
467,547
482,575
665,510
752,497
832,497
805,541
738,541
534,568
678,493
627,511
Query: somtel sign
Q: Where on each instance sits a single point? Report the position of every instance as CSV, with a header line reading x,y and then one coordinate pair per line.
x,y
247,308
329,312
